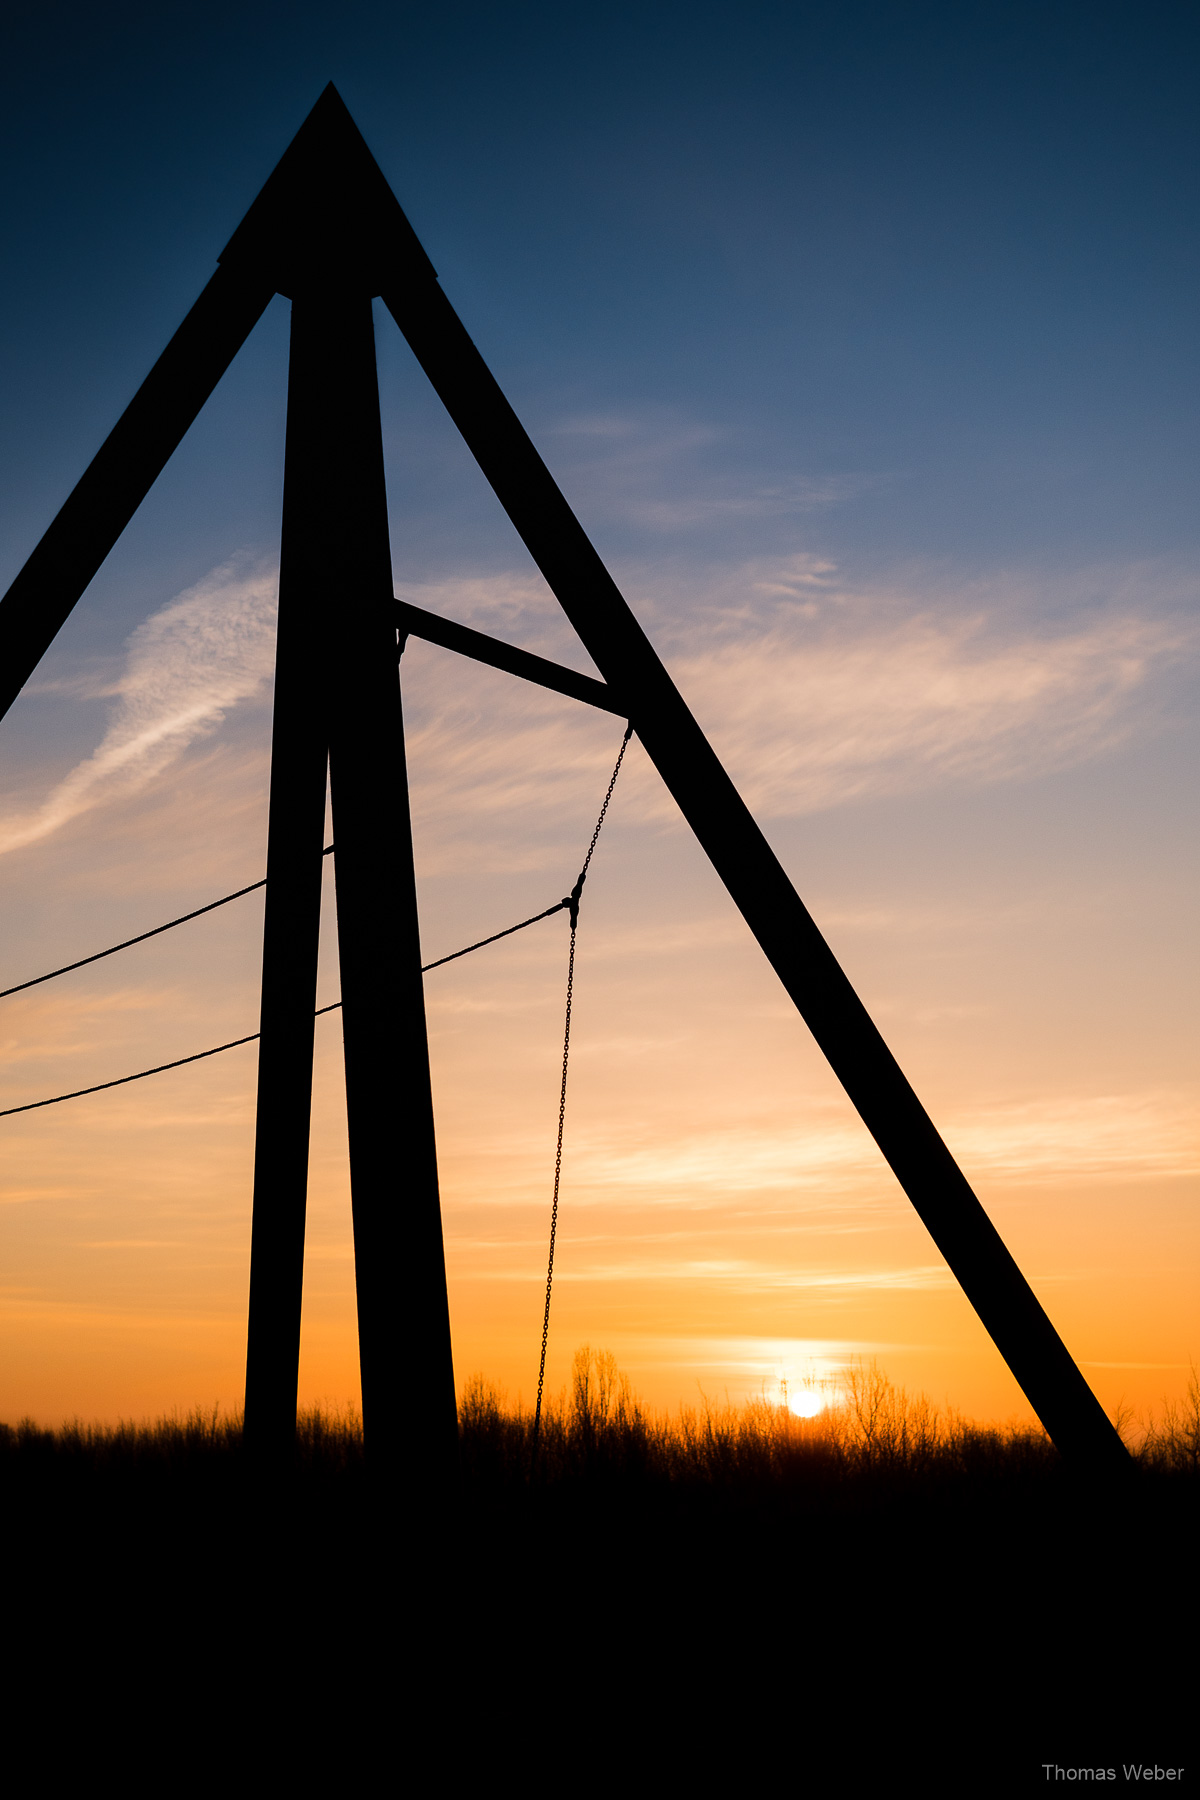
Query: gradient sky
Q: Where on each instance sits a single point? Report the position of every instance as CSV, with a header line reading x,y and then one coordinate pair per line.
x,y
862,339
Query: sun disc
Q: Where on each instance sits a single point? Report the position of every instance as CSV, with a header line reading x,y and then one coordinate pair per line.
x,y
806,1404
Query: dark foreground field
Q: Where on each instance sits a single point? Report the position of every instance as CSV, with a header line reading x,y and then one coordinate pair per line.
x,y
743,1597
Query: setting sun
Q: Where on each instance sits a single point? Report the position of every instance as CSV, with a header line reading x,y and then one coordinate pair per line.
x,y
806,1403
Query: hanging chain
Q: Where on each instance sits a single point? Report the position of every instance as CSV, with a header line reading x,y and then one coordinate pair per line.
x,y
572,902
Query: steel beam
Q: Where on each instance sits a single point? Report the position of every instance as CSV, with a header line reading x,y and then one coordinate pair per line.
x,y
123,471
292,923
415,621
400,1273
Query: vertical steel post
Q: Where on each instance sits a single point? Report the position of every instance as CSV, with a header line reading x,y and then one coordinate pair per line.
x,y
399,1264
295,837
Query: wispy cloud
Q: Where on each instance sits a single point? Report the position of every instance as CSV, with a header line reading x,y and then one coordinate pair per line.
x,y
656,472
186,667
816,692
711,503
737,1273
827,1164
1139,1135
698,1169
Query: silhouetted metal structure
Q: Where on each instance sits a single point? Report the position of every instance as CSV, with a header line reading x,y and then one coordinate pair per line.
x,y
327,232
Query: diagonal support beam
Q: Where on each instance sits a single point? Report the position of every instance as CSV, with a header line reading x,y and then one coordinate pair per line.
x,y
123,471
744,860
416,622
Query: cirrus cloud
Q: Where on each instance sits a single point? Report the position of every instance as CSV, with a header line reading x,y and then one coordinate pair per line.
x,y
811,718
186,667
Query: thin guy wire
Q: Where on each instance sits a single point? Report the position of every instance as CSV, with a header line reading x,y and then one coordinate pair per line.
x,y
32,1105
234,1044
573,903
140,939
494,939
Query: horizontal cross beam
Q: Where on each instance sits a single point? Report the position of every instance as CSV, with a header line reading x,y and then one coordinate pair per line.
x,y
416,622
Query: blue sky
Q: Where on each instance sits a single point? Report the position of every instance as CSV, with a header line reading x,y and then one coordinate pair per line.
x,y
938,262
863,341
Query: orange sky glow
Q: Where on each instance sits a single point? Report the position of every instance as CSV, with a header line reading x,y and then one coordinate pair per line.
x,y
864,351
727,1224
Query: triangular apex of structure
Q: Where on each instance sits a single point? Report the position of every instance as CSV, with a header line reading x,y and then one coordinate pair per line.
x,y
326,215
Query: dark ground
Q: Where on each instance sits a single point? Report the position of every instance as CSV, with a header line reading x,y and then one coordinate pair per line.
x,y
811,1626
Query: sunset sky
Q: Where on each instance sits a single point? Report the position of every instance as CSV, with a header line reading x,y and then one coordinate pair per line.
x,y
862,339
